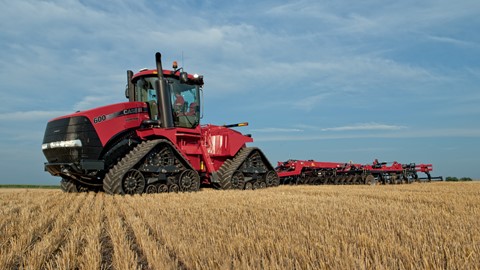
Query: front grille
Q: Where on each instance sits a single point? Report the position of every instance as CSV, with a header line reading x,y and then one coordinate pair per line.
x,y
72,128
62,155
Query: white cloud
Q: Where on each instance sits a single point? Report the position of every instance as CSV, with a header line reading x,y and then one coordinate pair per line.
x,y
375,18
365,126
90,102
430,133
31,115
450,40
309,103
273,129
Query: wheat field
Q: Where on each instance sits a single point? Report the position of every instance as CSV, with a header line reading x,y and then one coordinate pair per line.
x,y
434,225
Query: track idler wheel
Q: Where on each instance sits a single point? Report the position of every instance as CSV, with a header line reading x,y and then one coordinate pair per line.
x,y
248,186
133,182
237,180
189,180
272,179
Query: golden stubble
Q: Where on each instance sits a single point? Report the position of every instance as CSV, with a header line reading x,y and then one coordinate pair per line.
x,y
432,225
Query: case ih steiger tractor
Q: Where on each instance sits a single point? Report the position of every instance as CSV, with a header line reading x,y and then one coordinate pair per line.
x,y
152,143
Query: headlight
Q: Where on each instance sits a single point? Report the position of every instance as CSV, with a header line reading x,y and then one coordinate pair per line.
x,y
61,144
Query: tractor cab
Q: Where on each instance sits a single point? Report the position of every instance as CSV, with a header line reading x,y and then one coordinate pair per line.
x,y
176,103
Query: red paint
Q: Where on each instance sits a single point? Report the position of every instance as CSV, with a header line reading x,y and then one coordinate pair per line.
x,y
296,167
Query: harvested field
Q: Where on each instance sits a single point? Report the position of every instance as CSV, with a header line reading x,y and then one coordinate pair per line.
x,y
434,225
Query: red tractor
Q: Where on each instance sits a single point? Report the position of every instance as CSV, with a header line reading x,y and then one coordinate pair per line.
x,y
152,143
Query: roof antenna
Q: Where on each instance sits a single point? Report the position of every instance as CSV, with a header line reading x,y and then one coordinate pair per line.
x,y
183,64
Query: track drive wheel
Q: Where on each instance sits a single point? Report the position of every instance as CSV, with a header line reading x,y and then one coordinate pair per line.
x,y
238,180
68,185
189,180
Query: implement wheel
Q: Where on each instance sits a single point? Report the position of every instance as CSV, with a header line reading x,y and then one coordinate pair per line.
x,y
370,180
357,180
393,179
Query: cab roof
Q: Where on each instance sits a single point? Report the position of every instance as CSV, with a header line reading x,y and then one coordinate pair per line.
x,y
192,78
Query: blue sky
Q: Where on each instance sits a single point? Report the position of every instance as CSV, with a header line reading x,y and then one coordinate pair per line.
x,y
324,80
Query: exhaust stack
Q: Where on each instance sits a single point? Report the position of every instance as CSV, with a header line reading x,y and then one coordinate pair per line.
x,y
130,88
164,106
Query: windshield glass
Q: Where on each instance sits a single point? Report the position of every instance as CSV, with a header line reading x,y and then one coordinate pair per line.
x,y
146,90
184,98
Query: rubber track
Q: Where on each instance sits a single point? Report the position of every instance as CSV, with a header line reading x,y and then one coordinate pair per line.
x,y
112,183
230,166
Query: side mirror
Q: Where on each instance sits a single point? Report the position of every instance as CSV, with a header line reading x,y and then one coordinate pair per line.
x,y
126,92
183,77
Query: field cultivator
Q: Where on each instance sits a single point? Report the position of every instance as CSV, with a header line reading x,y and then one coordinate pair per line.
x,y
335,173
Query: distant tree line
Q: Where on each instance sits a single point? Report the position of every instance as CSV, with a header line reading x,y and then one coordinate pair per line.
x,y
455,179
